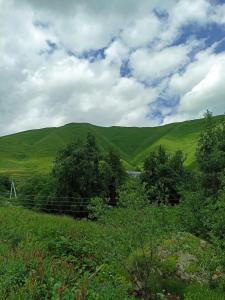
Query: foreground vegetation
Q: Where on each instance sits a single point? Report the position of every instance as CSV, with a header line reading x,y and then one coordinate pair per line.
x,y
126,254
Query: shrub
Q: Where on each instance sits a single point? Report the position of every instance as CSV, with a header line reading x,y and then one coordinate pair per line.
x,y
132,194
144,273
216,222
5,183
96,208
171,264
39,193
193,211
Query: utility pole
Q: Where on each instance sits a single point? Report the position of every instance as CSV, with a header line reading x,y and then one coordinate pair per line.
x,y
13,190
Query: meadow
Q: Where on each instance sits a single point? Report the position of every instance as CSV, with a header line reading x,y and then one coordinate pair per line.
x,y
55,257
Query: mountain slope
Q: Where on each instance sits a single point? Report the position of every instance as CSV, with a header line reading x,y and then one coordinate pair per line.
x,y
34,150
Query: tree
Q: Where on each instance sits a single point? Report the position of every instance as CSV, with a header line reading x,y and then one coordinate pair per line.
x,y
203,205
164,175
113,173
210,155
76,170
81,174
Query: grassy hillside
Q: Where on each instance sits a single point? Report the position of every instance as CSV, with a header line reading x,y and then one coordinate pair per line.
x,y
34,150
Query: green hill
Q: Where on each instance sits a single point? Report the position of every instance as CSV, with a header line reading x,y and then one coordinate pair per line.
x,y
34,150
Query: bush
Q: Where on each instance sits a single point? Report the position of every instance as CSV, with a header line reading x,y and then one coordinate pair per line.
x,y
171,264
5,183
39,193
97,208
216,225
193,212
132,194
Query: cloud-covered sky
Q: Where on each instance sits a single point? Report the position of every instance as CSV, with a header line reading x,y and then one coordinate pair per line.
x,y
118,62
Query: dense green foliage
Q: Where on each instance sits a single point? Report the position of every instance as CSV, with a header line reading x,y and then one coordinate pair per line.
x,y
113,175
203,206
4,183
132,194
80,173
164,175
77,175
39,193
211,156
35,150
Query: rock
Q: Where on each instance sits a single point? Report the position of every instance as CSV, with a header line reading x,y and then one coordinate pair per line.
x,y
173,263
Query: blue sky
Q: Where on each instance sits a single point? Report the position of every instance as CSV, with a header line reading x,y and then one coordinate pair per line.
x,y
128,63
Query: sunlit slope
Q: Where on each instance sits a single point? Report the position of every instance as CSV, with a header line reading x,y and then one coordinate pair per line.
x,y
34,150
180,136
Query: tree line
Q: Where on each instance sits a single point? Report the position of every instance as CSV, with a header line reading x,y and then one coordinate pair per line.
x,y
81,172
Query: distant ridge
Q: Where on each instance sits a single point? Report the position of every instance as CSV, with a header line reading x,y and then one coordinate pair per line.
x,y
34,150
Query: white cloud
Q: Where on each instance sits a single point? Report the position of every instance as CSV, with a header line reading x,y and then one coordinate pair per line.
x,y
199,12
201,87
142,31
76,90
148,64
85,24
41,85
208,93
124,8
180,84
191,10
116,52
219,14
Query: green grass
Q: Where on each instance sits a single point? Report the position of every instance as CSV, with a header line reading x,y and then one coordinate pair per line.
x,y
44,256
35,150
54,257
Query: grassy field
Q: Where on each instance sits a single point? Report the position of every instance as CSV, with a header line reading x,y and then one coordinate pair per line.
x,y
34,150
55,257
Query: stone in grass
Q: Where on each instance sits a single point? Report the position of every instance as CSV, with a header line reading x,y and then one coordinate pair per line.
x,y
196,260
173,263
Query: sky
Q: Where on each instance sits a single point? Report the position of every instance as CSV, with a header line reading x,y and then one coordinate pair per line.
x,y
118,62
